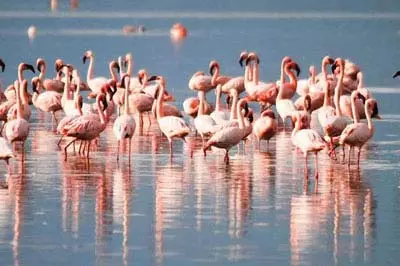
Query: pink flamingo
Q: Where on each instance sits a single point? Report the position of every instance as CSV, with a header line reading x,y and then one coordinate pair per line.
x,y
307,140
124,125
316,96
68,119
357,134
10,92
96,83
6,153
26,108
228,136
265,127
216,78
171,126
284,106
220,116
304,112
48,84
48,101
18,129
87,127
264,93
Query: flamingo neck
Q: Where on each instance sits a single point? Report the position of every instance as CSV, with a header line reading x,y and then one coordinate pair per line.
x,y
20,74
201,96
112,73
121,73
313,76
296,126
78,88
218,99
126,103
19,101
90,69
240,114
327,97
100,112
256,73
323,68
360,81
42,72
234,104
129,67
368,116
144,80
356,117
215,76
66,88
159,107
248,74
338,91
282,78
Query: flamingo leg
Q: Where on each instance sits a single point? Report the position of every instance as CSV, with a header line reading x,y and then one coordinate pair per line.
x,y
23,151
149,117
59,141
54,116
343,154
348,164
8,166
66,147
170,148
306,165
316,165
88,150
130,144
118,151
358,156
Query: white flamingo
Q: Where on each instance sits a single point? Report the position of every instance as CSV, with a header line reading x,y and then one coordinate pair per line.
x,y
357,134
171,126
47,101
124,125
18,129
307,140
228,136
203,123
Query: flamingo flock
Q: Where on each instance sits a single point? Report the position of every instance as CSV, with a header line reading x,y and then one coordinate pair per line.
x,y
338,99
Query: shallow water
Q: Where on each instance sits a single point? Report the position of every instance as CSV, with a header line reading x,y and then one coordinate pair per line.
x,y
152,211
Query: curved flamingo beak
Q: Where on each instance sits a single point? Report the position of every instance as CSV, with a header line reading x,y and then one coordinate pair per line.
x,y
375,112
34,85
296,67
152,78
397,73
29,67
39,66
2,64
212,69
243,56
333,67
84,59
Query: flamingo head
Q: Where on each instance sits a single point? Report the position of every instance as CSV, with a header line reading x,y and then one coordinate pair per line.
x,y
58,64
250,115
114,65
243,56
142,76
269,113
24,66
312,71
40,64
36,82
158,79
86,55
373,106
294,66
2,64
286,59
102,100
125,79
327,60
252,57
213,66
338,63
128,57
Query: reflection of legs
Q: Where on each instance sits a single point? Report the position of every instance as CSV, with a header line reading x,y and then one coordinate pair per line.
x,y
358,156
316,165
130,145
88,149
348,164
226,158
306,165
118,151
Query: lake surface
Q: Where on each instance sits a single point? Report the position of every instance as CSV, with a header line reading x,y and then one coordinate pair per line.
x,y
150,211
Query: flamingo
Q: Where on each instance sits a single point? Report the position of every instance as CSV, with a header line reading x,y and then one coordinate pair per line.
x,y
203,123
26,109
216,78
96,83
284,106
135,82
171,126
323,77
264,93
307,140
220,116
228,137
48,101
124,125
10,92
87,127
361,88
49,84
357,134
289,88
304,112
18,129
316,96
68,119
336,124
326,110
265,127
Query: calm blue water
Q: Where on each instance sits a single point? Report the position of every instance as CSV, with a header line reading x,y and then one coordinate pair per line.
x,y
257,211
